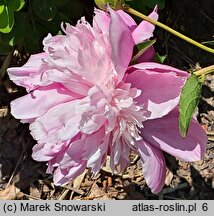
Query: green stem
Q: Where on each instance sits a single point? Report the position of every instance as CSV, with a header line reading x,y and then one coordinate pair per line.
x,y
165,27
204,71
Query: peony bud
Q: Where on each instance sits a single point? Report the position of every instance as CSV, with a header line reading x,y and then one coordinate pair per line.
x,y
115,4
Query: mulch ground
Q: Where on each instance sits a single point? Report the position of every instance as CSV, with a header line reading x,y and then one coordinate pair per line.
x,y
23,178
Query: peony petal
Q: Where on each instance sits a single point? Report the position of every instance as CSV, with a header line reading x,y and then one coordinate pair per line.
x,y
63,176
73,82
74,153
121,43
156,67
40,101
164,134
30,74
120,155
95,147
71,164
60,123
92,142
48,151
160,91
154,167
96,65
52,152
96,161
101,21
145,29
129,21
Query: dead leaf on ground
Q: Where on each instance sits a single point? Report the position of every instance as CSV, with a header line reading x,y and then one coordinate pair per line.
x,y
96,191
106,166
10,193
169,177
34,192
78,181
184,165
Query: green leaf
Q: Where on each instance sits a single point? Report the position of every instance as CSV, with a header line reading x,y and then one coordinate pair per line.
x,y
1,6
16,5
138,5
16,35
190,96
160,58
45,9
145,45
115,4
6,19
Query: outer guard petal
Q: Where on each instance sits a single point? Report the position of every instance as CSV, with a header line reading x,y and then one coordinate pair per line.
x,y
164,134
40,101
30,74
154,167
160,91
144,30
122,43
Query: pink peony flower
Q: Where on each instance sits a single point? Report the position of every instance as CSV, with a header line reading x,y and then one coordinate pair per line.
x,y
85,102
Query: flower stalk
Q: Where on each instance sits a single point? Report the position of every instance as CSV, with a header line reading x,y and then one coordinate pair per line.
x,y
204,71
165,27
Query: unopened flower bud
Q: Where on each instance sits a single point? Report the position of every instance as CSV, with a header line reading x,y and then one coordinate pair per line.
x,y
115,4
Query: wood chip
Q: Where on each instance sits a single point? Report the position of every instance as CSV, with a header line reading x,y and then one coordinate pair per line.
x,y
9,193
